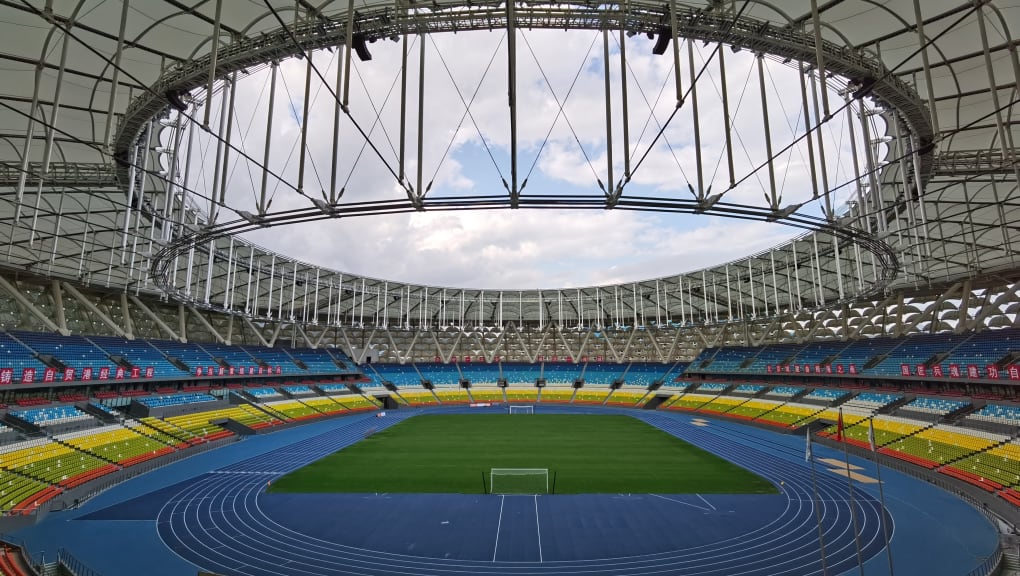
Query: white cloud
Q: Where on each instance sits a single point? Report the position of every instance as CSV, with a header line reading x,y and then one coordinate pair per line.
x,y
517,249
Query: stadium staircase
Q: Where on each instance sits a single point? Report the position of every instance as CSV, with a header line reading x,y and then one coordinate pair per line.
x,y
85,452
271,412
155,427
655,401
13,562
895,405
23,426
98,414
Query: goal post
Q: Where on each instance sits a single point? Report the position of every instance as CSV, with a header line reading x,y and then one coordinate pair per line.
x,y
519,481
522,409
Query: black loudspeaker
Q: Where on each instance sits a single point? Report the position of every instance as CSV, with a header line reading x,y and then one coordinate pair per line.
x,y
175,100
661,43
360,47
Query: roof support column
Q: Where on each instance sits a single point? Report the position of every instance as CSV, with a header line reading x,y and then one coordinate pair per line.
x,y
820,59
626,108
511,30
51,132
696,121
608,189
220,145
674,30
1005,136
874,188
807,128
823,170
303,152
27,147
922,41
726,114
273,73
421,115
403,110
773,199
115,81
212,62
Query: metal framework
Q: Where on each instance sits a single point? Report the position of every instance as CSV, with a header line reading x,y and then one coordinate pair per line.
x,y
98,172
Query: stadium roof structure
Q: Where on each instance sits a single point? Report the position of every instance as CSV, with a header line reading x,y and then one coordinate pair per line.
x,y
100,98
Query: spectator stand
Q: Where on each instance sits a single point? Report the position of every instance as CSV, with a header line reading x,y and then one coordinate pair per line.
x,y
932,409
825,397
50,419
785,392
994,417
167,405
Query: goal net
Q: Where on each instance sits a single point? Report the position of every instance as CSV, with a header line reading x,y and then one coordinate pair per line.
x,y
519,481
522,409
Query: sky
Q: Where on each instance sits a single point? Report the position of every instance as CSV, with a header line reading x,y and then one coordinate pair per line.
x,y
562,150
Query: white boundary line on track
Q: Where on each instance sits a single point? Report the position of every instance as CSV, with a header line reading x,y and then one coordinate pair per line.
x,y
679,502
705,501
499,523
538,528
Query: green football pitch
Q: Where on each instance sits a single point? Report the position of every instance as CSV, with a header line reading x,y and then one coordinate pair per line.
x,y
584,454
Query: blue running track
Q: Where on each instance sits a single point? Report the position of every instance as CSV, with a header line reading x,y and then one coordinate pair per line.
x,y
212,512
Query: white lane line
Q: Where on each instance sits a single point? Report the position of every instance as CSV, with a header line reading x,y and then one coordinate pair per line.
x,y
680,502
498,524
538,528
705,501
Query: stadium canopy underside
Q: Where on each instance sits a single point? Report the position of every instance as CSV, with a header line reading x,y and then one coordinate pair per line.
x,y
97,202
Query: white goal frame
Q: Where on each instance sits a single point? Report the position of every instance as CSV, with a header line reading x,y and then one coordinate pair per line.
x,y
494,472
521,409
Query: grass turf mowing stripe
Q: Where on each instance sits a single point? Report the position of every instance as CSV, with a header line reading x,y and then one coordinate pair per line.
x,y
588,454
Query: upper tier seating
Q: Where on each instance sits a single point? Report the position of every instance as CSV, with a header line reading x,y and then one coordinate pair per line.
x,y
139,353
440,374
191,355
481,374
647,373
520,373
236,356
317,361
603,373
728,359
74,352
986,347
16,356
914,350
401,375
773,354
561,373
